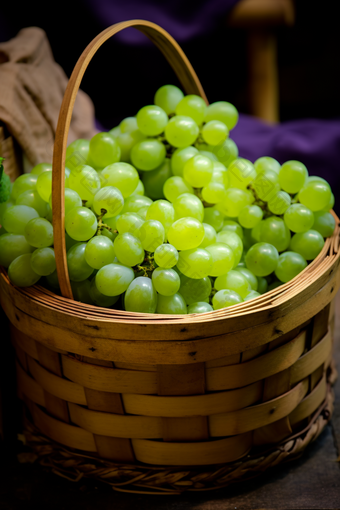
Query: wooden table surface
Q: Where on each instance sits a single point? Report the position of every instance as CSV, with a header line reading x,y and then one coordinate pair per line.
x,y
311,482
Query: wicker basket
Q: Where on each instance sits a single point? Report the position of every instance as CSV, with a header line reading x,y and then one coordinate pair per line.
x,y
171,403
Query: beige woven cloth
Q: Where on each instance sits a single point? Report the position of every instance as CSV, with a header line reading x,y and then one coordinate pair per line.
x,y
32,86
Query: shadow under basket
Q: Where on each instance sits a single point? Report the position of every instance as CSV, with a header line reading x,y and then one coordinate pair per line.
x,y
170,403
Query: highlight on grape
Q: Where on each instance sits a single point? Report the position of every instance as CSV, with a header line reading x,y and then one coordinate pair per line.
x,y
162,214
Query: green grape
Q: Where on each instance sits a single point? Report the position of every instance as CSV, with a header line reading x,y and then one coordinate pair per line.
x,y
81,291
279,203
25,182
100,299
103,150
151,120
214,132
122,176
308,244
198,171
108,199
77,153
99,252
241,173
233,226
261,259
186,233
166,256
135,202
180,157
252,295
40,168
267,163
250,216
69,241
113,279
224,112
235,200
168,97
273,230
196,263
162,211
274,285
166,281
200,307
220,174
151,234
266,185
324,223
213,192
175,186
85,181
129,249
126,142
148,154
209,235
129,222
181,131
193,290
78,268
192,106
11,246
6,205
128,125
233,280
39,233
32,199
292,176
213,217
72,200
15,218
222,257
299,218
173,305
252,280
262,285
43,261
81,223
155,179
20,271
226,152
188,205
209,155
289,265
224,298
44,185
233,241
256,233
141,296
315,195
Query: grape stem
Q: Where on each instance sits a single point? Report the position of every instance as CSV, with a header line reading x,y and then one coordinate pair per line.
x,y
147,268
102,225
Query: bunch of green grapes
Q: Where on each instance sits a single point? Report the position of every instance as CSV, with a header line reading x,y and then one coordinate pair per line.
x,y
163,216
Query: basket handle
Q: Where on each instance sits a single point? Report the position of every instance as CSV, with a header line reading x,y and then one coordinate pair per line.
x,y
186,75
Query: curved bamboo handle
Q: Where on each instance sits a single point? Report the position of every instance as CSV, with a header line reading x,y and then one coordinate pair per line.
x,y
185,74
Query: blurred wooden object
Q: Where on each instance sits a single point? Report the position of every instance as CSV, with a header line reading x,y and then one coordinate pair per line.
x,y
10,150
261,19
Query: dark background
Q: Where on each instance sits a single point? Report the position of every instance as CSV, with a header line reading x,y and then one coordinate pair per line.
x,y
123,77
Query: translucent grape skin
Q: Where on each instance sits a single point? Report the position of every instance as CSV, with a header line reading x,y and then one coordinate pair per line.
x,y
194,290
308,244
192,106
78,268
180,157
141,296
120,175
171,305
273,230
166,256
108,199
166,281
168,97
298,218
103,150
151,234
11,246
225,298
289,265
39,233
81,223
196,263
261,259
186,233
99,252
181,131
200,307
151,120
198,171
324,223
43,261
148,154
224,112
188,205
129,249
222,257
235,281
292,176
15,218
20,271
154,180
113,279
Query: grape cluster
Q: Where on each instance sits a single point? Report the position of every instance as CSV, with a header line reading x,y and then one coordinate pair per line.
x,y
163,216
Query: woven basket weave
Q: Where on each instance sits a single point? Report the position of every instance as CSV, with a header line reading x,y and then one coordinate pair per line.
x,y
170,403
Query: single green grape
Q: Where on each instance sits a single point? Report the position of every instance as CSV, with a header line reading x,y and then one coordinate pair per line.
x,y
273,230
15,218
99,252
233,241
324,223
267,163
308,244
214,132
188,204
235,200
151,234
122,176
39,233
11,246
186,233
40,168
136,202
292,176
180,157
198,171
194,290
261,259
252,280
77,153
108,199
100,299
173,305
20,271
200,307
32,199
192,106
196,263
279,203
168,97
44,185
209,235
241,173
78,268
250,216
175,186
25,182
128,249
148,154
226,152
85,181
315,195
166,256
162,211
43,261
225,298
224,112
252,295
233,280
141,296
289,265
103,150
266,185
181,131
81,223
151,120
166,281
298,218
113,279
154,180
222,257
214,192
129,222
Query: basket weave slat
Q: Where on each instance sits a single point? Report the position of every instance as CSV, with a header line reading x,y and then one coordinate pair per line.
x,y
171,403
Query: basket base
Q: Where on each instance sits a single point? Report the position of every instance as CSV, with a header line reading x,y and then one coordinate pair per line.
x,y
144,479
